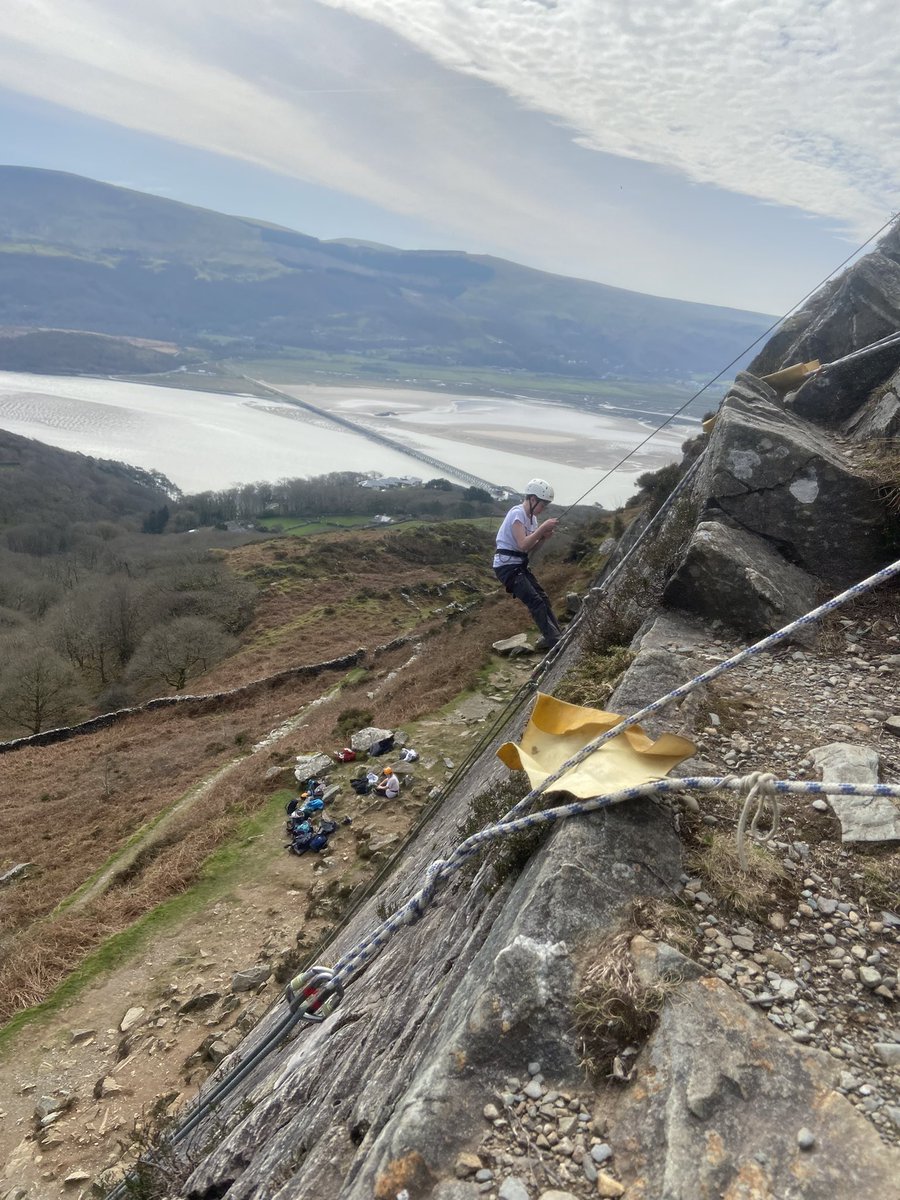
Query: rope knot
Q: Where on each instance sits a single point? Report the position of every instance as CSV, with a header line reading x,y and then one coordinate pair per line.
x,y
759,789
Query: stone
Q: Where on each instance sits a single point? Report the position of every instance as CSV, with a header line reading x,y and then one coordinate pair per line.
x,y
364,739
555,1194
19,871
869,977
731,571
312,766
862,818
49,1106
512,646
806,1139
106,1086
199,1003
250,979
734,1095
609,1187
131,1018
512,1188
601,1152
455,1189
467,1164
75,1177
81,1035
888,1052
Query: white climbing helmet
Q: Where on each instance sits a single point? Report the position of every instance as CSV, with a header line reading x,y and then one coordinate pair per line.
x,y
540,488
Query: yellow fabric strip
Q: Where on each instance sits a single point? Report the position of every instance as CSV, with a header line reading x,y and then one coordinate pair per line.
x,y
557,730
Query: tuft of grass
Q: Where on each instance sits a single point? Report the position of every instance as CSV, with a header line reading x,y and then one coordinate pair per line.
x,y
752,892
613,1008
667,921
593,678
507,856
879,883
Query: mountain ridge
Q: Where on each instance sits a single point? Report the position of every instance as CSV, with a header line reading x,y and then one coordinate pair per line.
x,y
79,254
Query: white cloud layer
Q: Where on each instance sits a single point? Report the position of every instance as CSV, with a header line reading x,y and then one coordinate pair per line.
x,y
483,119
794,102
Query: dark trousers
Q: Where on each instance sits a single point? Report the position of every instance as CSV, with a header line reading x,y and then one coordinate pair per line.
x,y
519,582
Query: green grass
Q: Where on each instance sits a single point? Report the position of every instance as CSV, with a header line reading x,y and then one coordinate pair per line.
x,y
222,869
138,835
338,369
299,527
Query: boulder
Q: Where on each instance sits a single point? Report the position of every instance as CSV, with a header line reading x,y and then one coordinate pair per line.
x,y
511,646
730,573
879,417
862,818
312,766
364,739
249,980
725,1122
774,475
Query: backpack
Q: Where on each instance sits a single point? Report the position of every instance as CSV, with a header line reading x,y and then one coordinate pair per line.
x,y
318,842
382,747
346,755
362,787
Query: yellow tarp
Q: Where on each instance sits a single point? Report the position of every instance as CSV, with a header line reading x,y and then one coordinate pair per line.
x,y
558,730
790,377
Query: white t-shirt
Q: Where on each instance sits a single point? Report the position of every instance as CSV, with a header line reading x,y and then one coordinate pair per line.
x,y
506,539
392,787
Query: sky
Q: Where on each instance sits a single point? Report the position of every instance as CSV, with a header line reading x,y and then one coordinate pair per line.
x,y
709,150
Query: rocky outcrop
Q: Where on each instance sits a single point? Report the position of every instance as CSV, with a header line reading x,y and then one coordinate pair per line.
x,y
728,571
777,477
749,1115
853,311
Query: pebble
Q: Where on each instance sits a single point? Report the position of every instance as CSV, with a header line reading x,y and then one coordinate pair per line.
x,y
806,1139
600,1153
512,1188
534,1091
609,1187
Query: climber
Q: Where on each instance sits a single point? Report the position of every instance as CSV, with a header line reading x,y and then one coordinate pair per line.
x,y
519,534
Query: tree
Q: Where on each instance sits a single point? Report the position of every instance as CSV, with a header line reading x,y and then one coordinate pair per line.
x,y
39,688
440,485
174,651
157,520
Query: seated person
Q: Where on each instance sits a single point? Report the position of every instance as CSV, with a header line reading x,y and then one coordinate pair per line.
x,y
388,785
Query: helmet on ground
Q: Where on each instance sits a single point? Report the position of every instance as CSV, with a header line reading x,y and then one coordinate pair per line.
x,y
540,488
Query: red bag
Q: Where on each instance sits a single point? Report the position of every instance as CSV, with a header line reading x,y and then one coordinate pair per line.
x,y
346,755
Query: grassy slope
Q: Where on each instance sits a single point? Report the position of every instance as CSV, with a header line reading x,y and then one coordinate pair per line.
x,y
73,806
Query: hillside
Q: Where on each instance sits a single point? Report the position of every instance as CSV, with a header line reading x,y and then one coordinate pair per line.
x,y
76,254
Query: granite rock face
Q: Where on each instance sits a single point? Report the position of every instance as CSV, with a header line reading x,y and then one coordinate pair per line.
x,y
852,311
775,476
729,571
731,1116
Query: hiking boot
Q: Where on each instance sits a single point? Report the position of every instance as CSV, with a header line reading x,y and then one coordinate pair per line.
x,y
543,644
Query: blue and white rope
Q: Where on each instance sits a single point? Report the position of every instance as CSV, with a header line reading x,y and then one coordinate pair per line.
x,y
441,869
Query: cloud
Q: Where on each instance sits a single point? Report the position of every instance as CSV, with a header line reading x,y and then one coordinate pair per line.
x,y
793,102
518,127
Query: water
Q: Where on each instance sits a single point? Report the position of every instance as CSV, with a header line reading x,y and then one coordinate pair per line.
x,y
209,440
